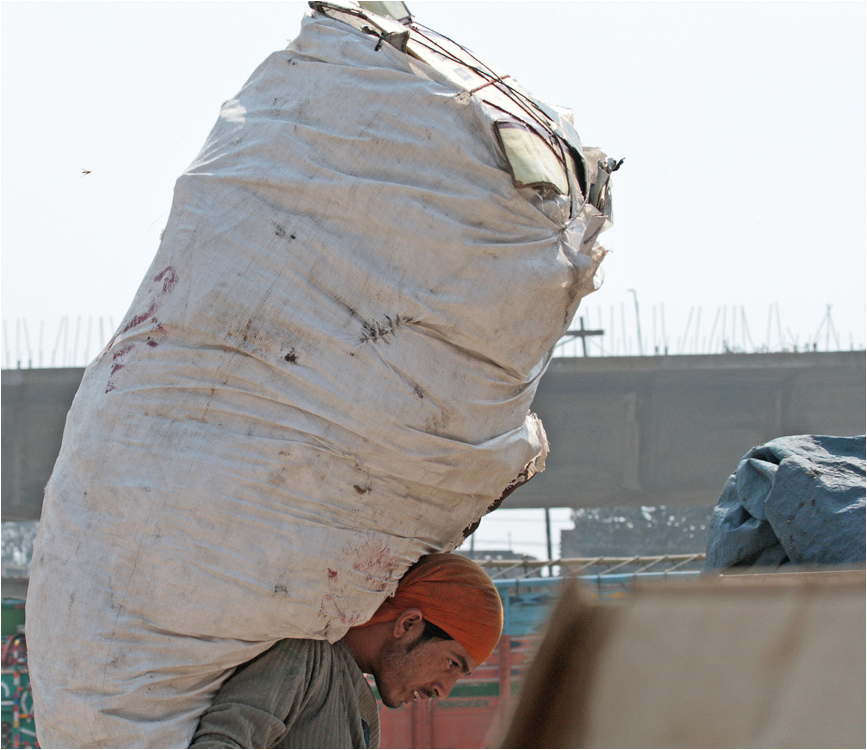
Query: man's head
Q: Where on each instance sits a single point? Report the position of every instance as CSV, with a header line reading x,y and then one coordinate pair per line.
x,y
442,622
415,664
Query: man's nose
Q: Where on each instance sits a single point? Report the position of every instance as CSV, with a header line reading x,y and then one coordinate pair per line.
x,y
447,684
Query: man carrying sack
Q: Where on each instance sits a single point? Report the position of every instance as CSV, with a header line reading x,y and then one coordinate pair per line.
x,y
443,621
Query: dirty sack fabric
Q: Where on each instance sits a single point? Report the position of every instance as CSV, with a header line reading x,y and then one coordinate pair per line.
x,y
325,374
299,693
795,500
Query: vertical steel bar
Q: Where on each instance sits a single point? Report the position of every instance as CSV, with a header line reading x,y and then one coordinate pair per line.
x,y
505,673
548,523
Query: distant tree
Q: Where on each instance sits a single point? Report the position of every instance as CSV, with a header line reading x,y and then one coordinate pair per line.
x,y
18,538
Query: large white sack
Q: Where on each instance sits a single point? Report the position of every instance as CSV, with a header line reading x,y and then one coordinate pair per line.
x,y
326,373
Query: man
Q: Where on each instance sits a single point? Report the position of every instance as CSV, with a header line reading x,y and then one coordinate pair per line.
x,y
443,621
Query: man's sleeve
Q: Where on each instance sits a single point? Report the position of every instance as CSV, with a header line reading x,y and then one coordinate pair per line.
x,y
257,704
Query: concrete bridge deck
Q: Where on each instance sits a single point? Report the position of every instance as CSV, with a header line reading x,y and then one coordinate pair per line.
x,y
624,431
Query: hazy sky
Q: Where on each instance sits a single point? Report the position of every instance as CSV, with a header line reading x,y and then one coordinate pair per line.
x,y
742,125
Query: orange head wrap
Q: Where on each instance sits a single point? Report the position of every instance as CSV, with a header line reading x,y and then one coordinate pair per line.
x,y
454,594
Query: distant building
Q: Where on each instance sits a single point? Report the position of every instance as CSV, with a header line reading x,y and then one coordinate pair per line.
x,y
622,532
494,554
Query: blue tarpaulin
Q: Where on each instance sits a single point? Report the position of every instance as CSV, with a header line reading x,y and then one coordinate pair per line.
x,y
796,500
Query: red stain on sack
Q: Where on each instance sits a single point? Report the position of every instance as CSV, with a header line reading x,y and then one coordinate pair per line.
x,y
117,364
166,280
169,277
374,561
332,606
137,320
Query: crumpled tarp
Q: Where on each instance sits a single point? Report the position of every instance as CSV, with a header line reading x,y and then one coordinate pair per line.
x,y
797,500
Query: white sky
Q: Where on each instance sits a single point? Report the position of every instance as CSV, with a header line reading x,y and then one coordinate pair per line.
x,y
742,125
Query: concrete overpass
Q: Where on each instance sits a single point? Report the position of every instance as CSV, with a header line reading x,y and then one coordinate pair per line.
x,y
630,431
624,431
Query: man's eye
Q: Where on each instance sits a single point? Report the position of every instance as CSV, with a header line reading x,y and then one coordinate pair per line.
x,y
452,664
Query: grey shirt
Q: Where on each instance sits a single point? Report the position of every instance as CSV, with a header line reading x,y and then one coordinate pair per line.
x,y
299,693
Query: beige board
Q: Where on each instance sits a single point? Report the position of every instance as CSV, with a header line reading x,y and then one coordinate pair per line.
x,y
734,661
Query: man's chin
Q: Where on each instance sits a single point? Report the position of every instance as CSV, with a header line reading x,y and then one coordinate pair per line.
x,y
390,702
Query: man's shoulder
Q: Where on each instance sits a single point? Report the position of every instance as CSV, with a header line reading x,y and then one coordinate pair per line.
x,y
286,652
304,644
318,655
313,646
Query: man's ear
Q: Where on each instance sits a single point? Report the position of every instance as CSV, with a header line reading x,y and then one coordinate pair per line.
x,y
409,623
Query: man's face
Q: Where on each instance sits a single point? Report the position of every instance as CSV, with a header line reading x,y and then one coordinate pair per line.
x,y
411,671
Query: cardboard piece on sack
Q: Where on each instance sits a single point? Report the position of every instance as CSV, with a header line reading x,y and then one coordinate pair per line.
x,y
758,660
325,374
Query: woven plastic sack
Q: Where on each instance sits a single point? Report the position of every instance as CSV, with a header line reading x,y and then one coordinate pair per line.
x,y
325,374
